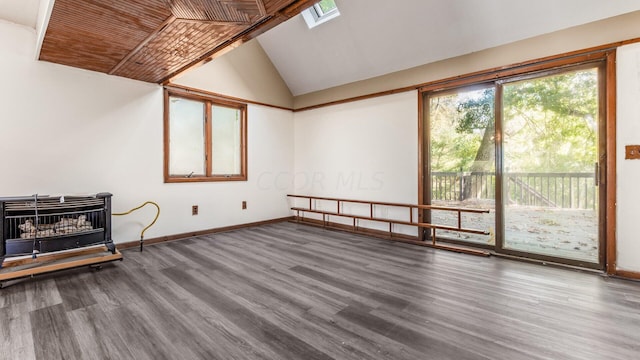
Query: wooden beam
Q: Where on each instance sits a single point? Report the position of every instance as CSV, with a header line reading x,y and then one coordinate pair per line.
x,y
68,263
268,22
390,221
151,36
27,259
382,203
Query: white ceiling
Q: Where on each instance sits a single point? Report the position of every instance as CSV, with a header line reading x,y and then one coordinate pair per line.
x,y
23,12
376,37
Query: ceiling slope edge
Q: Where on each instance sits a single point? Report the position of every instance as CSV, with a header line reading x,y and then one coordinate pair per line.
x,y
607,31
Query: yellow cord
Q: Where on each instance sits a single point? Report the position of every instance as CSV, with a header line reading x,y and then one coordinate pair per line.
x,y
138,208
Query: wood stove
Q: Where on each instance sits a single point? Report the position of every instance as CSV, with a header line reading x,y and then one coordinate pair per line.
x,y
34,225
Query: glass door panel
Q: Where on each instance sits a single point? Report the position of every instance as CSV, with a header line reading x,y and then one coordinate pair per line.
x,y
550,150
461,173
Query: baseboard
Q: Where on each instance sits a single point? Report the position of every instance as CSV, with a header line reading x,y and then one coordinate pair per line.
x,y
360,230
161,239
628,274
393,236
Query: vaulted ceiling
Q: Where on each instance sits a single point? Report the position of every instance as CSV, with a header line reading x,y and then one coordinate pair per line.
x,y
22,12
377,37
154,40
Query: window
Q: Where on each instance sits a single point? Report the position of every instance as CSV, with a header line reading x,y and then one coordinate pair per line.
x,y
325,7
320,12
205,138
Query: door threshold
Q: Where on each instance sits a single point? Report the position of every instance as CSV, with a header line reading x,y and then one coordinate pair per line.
x,y
548,263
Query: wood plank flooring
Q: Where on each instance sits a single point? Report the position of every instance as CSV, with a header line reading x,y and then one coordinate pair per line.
x,y
289,291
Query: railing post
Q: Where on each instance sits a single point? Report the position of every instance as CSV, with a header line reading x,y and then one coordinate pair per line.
x,y
570,192
461,196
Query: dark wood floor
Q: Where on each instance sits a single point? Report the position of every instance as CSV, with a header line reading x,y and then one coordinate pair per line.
x,y
288,291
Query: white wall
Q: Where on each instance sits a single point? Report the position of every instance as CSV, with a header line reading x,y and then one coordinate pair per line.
x,y
628,171
64,130
68,131
368,150
360,150
597,33
245,72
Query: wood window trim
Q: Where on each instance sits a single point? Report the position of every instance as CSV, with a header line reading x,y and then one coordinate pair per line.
x,y
190,90
610,168
209,101
609,47
549,64
518,70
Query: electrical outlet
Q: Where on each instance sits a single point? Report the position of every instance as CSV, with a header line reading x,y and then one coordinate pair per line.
x,y
194,210
244,205
632,152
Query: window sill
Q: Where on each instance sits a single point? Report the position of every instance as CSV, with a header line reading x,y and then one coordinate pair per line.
x,y
194,179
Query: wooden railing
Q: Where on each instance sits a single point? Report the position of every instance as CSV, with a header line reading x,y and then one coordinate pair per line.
x,y
311,207
560,190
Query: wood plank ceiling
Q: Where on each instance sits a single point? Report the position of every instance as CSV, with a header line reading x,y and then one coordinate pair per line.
x,y
155,40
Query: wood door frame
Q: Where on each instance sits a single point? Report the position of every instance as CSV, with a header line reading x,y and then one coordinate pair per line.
x,y
604,59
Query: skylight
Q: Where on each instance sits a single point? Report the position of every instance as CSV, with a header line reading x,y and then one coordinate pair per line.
x,y
320,12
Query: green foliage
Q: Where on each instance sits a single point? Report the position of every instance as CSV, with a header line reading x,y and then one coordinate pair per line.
x,y
327,5
550,125
476,113
458,122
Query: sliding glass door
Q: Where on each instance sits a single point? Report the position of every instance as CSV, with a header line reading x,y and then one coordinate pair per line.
x,y
527,149
462,160
550,152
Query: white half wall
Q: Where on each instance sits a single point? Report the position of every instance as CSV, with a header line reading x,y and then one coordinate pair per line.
x,y
360,150
69,131
628,171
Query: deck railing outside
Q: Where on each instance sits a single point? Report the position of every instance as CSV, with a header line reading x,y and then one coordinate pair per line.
x,y
558,190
